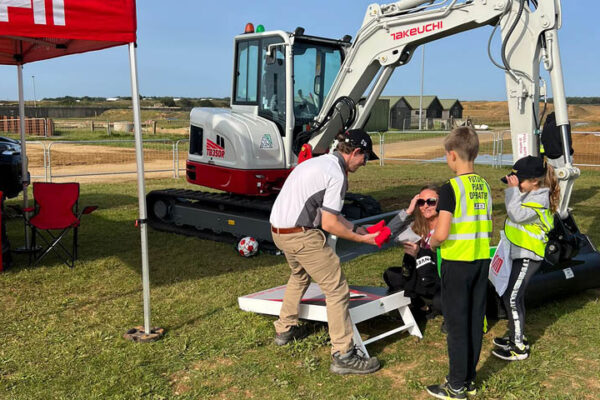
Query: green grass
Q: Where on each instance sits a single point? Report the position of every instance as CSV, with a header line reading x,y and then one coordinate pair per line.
x,y
405,136
61,329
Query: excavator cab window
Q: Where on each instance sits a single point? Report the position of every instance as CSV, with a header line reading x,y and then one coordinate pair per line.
x,y
246,79
272,83
316,66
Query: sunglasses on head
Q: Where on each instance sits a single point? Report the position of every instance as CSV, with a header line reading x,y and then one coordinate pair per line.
x,y
430,202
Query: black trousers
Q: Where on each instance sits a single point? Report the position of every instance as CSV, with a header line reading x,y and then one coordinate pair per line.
x,y
464,294
514,297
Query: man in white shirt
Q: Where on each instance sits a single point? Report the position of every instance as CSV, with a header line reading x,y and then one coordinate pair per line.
x,y
312,197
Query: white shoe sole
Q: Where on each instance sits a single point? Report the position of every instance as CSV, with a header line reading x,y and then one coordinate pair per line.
x,y
512,357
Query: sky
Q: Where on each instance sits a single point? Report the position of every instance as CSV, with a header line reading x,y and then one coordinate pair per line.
x,y
185,49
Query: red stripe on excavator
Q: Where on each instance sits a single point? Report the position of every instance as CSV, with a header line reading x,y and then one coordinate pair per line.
x,y
239,181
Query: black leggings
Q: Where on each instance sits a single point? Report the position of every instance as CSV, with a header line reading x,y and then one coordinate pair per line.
x,y
464,294
514,296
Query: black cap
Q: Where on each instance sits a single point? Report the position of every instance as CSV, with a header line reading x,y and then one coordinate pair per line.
x,y
361,139
527,168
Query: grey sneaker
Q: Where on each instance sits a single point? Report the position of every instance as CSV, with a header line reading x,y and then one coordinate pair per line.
x,y
295,333
353,362
446,392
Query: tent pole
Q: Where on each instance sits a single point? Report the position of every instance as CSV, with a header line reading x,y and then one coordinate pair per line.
x,y
24,161
148,333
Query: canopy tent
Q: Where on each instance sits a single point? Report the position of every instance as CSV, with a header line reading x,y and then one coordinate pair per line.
x,y
34,30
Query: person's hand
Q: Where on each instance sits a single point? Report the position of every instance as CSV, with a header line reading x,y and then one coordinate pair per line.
x,y
512,180
413,204
411,248
369,238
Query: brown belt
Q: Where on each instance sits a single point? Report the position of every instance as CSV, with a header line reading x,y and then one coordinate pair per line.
x,y
283,231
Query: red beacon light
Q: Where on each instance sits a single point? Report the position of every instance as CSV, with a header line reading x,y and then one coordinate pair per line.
x,y
249,28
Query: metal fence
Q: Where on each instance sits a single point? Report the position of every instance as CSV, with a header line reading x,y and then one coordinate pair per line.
x,y
68,159
495,147
33,126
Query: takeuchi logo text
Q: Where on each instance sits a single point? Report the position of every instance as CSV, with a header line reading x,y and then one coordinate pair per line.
x,y
434,26
214,150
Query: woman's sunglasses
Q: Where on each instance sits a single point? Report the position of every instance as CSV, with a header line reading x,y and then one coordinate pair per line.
x,y
430,202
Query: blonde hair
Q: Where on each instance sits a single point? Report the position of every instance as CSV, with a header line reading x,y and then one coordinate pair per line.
x,y
420,225
549,180
464,141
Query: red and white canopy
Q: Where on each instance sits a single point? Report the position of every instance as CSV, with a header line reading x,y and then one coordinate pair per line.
x,y
33,30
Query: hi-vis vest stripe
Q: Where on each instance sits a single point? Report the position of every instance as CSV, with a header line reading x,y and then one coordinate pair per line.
x,y
533,236
471,227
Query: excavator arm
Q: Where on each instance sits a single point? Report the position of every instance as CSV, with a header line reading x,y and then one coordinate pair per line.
x,y
391,33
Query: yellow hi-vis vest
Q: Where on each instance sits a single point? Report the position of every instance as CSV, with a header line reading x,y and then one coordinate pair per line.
x,y
532,236
471,226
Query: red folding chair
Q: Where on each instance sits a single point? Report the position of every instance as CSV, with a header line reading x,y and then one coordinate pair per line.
x,y
55,214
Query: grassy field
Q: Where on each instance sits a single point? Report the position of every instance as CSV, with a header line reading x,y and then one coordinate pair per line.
x,y
61,329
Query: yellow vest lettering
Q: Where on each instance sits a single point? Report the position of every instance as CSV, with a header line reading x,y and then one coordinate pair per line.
x,y
471,226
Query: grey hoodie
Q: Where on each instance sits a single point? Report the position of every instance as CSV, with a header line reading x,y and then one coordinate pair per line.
x,y
513,198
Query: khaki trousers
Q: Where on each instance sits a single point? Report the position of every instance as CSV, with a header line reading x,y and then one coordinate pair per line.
x,y
310,257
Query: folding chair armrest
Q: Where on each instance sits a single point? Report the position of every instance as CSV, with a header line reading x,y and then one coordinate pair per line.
x,y
89,210
20,210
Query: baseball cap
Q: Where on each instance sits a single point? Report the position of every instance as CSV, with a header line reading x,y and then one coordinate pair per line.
x,y
361,139
527,168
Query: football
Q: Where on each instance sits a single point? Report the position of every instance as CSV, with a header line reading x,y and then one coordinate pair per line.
x,y
247,246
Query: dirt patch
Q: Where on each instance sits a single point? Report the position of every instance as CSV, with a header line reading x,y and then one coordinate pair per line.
x,y
96,163
181,381
425,149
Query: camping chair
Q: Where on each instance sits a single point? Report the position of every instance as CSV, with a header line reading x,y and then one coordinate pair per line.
x,y
55,214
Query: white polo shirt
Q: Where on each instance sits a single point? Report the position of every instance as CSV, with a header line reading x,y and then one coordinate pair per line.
x,y
317,184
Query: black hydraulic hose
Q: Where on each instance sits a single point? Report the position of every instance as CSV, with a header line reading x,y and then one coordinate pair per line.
x,y
304,137
351,106
489,47
510,32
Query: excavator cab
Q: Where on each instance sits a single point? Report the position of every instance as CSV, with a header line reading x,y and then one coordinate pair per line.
x,y
280,82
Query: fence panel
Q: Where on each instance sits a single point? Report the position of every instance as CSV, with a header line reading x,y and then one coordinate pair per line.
x,y
33,126
586,147
37,161
182,148
107,157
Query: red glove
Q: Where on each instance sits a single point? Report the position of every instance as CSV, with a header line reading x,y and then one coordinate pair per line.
x,y
383,237
377,227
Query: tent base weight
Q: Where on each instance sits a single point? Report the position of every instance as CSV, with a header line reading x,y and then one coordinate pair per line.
x,y
138,334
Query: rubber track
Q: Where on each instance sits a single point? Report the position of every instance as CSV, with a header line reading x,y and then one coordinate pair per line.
x,y
207,200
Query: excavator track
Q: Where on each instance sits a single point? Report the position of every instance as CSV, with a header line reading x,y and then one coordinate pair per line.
x,y
215,216
227,217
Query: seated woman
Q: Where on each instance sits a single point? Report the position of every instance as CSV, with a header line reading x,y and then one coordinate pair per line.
x,y
418,275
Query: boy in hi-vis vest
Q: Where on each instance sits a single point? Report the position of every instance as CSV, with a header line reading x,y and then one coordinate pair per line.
x,y
531,198
463,235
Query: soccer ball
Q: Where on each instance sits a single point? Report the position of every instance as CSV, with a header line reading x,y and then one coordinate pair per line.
x,y
247,247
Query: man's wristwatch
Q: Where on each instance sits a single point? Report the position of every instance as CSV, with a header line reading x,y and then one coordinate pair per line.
x,y
355,228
